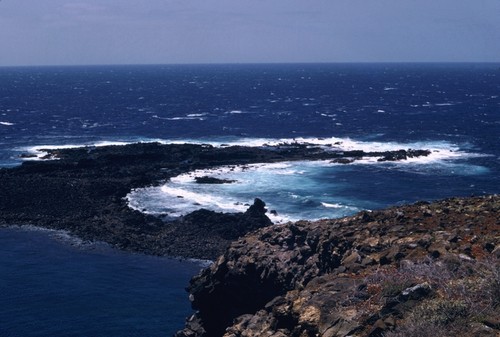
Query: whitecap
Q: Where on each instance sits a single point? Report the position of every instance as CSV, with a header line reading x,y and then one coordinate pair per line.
x,y
339,206
444,104
6,123
188,118
328,205
39,151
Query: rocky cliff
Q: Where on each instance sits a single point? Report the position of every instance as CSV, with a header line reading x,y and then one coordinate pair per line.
x,y
428,269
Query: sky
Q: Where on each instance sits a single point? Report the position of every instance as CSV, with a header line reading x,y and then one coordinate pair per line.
x,y
79,32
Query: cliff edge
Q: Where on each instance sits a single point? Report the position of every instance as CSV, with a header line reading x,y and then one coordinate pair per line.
x,y
427,269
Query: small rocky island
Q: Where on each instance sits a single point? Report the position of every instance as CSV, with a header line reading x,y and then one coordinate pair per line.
x,y
427,269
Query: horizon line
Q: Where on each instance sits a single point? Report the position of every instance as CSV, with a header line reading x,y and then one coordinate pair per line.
x,y
246,63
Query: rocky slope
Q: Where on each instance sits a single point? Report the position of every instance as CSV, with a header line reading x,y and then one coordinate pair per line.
x,y
428,269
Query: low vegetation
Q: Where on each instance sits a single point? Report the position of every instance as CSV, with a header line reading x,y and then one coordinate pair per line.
x,y
462,297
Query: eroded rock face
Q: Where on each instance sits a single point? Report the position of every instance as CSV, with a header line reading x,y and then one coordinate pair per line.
x,y
357,276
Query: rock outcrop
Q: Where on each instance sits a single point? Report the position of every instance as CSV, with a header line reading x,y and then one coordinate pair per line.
x,y
206,234
429,267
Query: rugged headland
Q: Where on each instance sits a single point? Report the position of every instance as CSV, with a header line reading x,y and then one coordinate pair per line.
x,y
83,191
425,270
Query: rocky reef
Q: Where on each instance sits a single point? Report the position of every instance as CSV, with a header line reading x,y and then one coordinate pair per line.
x,y
83,191
427,269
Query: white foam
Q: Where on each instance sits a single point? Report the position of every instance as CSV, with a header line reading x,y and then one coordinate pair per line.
x,y
107,143
327,205
340,206
334,143
182,194
39,151
253,178
6,123
205,200
284,186
187,118
63,236
174,201
439,149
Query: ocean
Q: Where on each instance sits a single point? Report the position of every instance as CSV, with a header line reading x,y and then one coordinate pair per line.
x,y
52,284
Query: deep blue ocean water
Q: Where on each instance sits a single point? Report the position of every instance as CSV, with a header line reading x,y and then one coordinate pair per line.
x,y
51,285
452,109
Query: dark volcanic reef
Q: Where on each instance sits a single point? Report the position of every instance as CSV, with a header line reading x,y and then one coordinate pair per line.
x,y
82,191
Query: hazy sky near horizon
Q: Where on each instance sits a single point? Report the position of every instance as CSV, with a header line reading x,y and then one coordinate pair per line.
x,y
70,32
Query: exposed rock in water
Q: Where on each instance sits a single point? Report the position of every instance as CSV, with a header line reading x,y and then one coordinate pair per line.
x,y
421,267
403,154
212,180
343,161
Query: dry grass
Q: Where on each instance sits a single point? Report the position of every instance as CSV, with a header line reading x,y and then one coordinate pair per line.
x,y
465,293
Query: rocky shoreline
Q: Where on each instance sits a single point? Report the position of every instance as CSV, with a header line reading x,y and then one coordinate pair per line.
x,y
428,269
82,190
